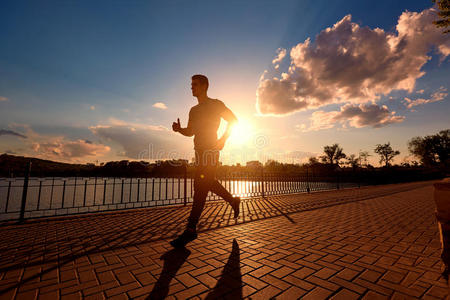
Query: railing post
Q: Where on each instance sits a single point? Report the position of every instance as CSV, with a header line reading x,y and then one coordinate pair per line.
x,y
51,192
95,189
114,187
138,189
153,189
131,182
337,180
167,179
104,191
121,192
85,188
185,184
359,179
262,182
74,190
7,196
308,189
24,192
63,194
39,195
145,192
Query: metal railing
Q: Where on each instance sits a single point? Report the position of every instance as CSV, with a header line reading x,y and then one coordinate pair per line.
x,y
33,197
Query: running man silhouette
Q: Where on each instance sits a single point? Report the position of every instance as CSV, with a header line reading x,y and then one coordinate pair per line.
x,y
204,120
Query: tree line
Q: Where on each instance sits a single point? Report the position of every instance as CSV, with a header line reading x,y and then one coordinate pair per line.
x,y
432,151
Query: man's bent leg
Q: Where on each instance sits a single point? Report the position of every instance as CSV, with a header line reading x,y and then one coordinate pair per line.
x,y
201,187
221,191
197,207
202,184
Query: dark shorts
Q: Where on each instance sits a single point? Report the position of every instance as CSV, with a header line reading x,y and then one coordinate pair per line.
x,y
206,163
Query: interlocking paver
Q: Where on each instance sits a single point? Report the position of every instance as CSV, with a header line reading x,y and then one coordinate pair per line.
x,y
345,294
317,293
368,243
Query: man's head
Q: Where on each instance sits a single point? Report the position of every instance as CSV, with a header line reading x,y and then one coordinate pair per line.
x,y
199,85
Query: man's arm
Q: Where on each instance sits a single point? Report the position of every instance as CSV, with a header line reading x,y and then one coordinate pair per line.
x,y
186,131
231,119
176,126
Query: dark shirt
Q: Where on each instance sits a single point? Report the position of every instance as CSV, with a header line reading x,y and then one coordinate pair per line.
x,y
204,121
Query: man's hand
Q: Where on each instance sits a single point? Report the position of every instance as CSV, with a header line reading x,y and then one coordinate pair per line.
x,y
176,126
220,143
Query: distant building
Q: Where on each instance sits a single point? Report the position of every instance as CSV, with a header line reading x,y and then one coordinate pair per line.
x,y
254,164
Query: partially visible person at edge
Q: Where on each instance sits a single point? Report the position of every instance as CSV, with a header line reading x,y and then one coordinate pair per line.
x,y
204,121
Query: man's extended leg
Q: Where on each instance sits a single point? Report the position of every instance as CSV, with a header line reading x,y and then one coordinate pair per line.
x,y
221,191
202,184
201,188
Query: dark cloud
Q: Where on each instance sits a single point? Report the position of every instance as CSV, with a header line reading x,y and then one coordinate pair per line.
x,y
140,141
439,95
10,152
67,150
348,63
357,116
10,132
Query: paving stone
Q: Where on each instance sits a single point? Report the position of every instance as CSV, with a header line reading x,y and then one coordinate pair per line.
x,y
345,294
370,243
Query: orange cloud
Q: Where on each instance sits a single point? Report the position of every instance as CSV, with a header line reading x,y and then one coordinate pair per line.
x,y
354,116
160,105
348,63
439,95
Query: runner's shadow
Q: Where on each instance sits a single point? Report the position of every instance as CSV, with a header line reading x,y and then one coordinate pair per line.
x,y
173,260
230,282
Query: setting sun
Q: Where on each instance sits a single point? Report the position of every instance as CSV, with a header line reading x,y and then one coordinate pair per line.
x,y
241,133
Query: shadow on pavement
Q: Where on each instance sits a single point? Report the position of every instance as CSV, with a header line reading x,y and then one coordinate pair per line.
x,y
57,243
231,278
173,260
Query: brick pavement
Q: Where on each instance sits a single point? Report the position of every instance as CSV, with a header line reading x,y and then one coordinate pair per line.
x,y
369,243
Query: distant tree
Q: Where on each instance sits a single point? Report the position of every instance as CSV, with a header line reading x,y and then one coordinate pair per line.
x,y
313,161
363,155
254,164
386,153
333,154
352,161
431,149
444,13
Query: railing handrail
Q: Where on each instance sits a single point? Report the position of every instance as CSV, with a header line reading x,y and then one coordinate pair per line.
x,y
98,193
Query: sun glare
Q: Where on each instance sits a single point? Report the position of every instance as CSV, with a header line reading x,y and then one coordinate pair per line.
x,y
241,133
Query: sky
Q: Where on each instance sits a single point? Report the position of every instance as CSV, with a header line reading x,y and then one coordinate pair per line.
x,y
97,81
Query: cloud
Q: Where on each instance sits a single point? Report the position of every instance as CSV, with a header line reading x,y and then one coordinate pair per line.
x,y
141,141
10,152
281,53
3,98
131,140
57,148
10,132
67,149
439,95
352,115
348,63
160,105
299,156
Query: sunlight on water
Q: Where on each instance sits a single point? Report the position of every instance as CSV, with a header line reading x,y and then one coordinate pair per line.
x,y
81,194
